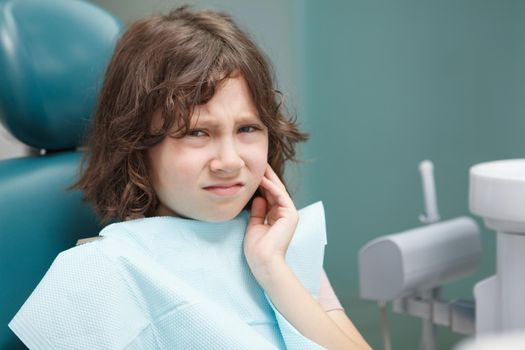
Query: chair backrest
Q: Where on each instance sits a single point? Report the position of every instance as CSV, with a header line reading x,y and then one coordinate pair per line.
x,y
53,56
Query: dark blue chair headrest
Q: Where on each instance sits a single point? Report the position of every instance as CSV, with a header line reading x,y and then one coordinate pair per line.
x,y
53,54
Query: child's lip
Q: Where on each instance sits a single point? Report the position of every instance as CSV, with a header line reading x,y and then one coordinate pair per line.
x,y
225,185
228,190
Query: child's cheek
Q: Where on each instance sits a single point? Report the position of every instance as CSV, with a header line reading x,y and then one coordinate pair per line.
x,y
257,162
189,161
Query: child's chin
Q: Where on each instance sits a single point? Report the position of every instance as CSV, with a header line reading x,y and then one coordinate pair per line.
x,y
221,216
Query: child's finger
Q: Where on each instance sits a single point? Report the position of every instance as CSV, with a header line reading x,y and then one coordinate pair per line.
x,y
270,200
258,211
280,196
270,173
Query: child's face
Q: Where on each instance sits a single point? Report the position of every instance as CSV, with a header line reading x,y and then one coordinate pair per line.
x,y
211,173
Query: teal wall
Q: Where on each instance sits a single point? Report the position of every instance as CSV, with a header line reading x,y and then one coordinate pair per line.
x,y
384,85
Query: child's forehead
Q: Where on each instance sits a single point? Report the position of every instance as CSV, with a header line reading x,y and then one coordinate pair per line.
x,y
232,96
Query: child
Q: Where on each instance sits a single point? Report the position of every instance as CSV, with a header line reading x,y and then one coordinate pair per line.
x,y
188,133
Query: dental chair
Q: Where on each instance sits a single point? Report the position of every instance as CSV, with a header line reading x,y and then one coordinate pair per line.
x,y
53,55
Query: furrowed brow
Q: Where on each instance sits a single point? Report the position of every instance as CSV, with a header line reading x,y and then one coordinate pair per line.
x,y
210,122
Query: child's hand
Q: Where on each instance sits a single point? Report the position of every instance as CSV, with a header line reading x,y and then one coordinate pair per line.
x,y
265,243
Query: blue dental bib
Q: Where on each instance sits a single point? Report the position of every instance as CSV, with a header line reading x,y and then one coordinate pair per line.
x,y
168,283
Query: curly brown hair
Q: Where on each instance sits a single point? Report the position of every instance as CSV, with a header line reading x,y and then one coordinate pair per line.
x,y
170,63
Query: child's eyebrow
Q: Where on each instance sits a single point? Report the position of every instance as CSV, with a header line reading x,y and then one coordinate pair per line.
x,y
240,120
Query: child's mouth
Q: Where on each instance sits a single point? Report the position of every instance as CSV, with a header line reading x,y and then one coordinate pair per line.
x,y
227,190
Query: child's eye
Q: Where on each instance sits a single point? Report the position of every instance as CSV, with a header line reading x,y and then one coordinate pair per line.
x,y
249,128
196,133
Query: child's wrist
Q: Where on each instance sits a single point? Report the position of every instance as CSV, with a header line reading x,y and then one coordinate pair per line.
x,y
268,271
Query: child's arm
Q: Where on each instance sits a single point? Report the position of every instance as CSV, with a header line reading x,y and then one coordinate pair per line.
x,y
271,227
347,326
297,305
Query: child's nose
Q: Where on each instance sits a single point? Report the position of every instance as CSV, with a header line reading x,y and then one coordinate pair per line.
x,y
227,158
